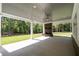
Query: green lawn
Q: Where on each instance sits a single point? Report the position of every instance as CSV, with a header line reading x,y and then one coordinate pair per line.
x,y
66,34
16,38
12,39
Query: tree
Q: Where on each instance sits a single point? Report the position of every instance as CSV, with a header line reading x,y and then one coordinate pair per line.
x,y
13,26
67,27
61,27
37,28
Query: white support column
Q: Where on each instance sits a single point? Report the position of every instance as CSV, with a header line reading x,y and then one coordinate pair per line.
x,y
31,29
0,29
78,24
43,29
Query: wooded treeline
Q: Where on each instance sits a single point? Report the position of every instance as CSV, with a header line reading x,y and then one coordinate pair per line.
x,y
62,27
11,26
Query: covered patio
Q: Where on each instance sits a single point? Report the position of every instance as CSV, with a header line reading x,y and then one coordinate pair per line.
x,y
45,14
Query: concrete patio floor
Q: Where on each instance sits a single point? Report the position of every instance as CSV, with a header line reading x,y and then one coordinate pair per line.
x,y
42,46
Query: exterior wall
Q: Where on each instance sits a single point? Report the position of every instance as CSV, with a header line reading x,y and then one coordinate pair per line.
x,y
75,28
75,23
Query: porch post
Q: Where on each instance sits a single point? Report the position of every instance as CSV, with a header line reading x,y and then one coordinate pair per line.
x,y
43,29
78,23
31,29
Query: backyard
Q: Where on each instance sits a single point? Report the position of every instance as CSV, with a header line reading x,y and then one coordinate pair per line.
x,y
17,38
66,34
13,30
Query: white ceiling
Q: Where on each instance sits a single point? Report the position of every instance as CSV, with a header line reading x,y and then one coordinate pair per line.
x,y
26,10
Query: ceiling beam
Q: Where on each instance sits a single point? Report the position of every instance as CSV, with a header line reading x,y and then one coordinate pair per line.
x,y
62,19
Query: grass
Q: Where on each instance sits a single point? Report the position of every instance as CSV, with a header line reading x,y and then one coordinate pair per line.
x,y
17,38
66,34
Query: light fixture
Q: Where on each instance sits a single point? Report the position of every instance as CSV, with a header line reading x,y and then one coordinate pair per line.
x,y
34,6
0,54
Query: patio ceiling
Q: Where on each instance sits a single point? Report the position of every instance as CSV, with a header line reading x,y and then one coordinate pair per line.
x,y
40,12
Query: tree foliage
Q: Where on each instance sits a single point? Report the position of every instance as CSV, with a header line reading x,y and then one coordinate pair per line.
x,y
37,28
62,27
11,26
